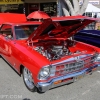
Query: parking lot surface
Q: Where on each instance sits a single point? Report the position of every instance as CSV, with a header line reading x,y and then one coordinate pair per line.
x,y
12,87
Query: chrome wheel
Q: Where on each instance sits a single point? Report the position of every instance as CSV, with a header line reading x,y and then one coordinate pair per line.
x,y
28,80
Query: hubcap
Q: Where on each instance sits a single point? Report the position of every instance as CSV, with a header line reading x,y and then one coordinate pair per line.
x,y
28,78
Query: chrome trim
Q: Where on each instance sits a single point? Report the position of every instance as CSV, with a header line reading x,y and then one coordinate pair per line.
x,y
44,86
99,65
41,70
74,66
71,59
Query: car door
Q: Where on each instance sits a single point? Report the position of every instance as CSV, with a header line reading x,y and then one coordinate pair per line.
x,y
7,43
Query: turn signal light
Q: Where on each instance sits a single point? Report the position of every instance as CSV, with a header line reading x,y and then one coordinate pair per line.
x,y
94,69
65,80
57,82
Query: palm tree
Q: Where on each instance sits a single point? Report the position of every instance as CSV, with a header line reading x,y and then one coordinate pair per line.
x,y
73,7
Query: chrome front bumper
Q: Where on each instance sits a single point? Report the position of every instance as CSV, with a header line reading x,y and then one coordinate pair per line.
x,y
68,78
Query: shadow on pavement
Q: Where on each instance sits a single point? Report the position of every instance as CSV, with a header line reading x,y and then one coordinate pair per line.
x,y
26,99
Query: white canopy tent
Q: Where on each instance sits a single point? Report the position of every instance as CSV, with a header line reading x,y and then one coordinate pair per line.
x,y
92,8
92,11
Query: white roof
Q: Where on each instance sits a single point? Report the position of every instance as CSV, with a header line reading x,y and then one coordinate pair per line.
x,y
92,8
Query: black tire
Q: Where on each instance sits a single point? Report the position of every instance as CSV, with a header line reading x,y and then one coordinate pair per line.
x,y
28,80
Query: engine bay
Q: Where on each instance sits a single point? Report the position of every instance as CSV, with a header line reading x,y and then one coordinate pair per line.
x,y
53,52
54,49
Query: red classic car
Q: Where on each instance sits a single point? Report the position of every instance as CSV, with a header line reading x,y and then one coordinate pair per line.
x,y
46,54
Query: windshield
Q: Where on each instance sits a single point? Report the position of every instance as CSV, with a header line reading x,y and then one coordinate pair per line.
x,y
24,31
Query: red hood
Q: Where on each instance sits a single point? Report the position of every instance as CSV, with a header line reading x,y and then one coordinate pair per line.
x,y
60,27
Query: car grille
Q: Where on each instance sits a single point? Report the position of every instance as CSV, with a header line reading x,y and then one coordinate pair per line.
x,y
74,66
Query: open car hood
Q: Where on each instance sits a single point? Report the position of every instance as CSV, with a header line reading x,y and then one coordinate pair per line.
x,y
60,27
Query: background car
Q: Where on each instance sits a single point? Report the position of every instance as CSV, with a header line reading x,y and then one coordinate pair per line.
x,y
89,36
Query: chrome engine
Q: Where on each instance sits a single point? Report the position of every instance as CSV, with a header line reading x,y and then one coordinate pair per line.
x,y
56,52
54,49
53,52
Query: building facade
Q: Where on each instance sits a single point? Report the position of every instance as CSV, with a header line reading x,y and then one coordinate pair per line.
x,y
48,6
11,6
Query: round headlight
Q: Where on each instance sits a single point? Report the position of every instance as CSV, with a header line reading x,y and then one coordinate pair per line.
x,y
44,73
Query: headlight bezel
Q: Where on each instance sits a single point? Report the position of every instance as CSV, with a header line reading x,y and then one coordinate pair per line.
x,y
44,69
51,69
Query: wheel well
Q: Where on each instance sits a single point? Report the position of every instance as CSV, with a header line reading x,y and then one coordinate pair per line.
x,y
21,69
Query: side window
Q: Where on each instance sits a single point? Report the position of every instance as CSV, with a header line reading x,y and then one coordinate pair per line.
x,y
7,31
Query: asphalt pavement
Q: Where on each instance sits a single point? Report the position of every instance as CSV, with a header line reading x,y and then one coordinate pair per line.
x,y
12,87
